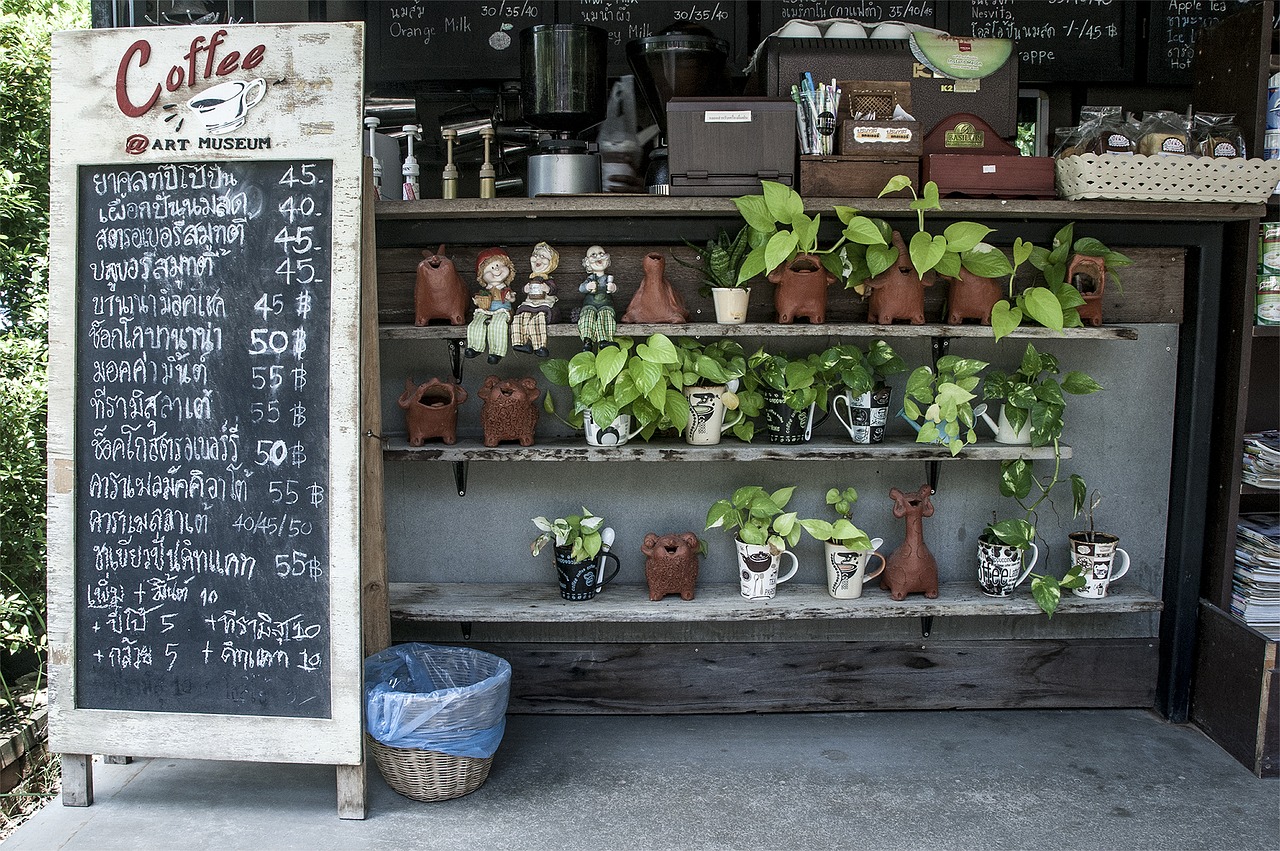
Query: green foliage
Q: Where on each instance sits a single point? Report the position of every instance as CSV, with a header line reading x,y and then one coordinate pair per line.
x,y
580,532
722,257
1032,394
800,381
722,362
841,532
617,380
848,366
946,397
759,517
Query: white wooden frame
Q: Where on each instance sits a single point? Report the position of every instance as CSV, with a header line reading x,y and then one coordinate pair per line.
x,y
312,108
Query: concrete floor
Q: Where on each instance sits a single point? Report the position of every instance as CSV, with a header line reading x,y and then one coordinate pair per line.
x,y
1099,779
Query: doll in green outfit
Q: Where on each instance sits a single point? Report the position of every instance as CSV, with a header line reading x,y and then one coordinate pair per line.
x,y
597,319
489,330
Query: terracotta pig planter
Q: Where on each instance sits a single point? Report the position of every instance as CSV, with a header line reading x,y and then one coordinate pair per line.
x,y
671,564
802,289
912,568
510,410
897,292
971,297
431,410
439,292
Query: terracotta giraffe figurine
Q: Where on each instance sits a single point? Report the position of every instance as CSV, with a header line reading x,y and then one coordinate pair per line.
x,y
911,568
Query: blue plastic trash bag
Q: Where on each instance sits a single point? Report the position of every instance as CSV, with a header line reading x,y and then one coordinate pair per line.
x,y
447,699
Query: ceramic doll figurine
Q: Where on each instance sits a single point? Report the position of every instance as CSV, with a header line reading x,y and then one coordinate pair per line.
x,y
489,328
597,319
529,325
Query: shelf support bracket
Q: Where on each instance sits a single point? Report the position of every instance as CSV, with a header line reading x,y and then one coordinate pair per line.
x,y
466,630
934,468
939,346
460,477
926,625
455,359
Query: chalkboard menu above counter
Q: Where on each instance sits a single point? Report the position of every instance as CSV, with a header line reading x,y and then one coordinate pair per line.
x,y
1068,41
1171,44
929,13
628,19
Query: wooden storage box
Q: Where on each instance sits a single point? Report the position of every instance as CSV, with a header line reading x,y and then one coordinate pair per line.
x,y
897,139
976,176
861,177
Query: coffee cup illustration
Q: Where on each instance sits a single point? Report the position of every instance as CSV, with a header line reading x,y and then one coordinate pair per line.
x,y
225,106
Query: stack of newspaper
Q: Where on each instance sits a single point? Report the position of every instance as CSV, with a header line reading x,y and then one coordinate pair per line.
x,y
1255,585
1262,459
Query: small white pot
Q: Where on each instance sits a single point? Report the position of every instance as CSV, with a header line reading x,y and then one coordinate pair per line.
x,y
731,304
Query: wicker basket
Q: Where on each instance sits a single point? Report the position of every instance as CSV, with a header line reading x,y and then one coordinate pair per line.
x,y
1139,178
429,775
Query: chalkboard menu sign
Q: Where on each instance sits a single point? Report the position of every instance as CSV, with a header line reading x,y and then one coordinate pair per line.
x,y
458,40
203,489
1079,41
204,514
624,20
1175,25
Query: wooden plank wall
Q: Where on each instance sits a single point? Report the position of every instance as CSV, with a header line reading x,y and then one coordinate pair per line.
x,y
1151,288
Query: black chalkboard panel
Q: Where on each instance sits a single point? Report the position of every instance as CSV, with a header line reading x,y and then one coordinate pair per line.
x,y
929,13
1173,32
624,20
1069,41
202,553
449,39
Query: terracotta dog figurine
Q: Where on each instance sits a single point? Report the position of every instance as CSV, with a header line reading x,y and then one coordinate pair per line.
x,y
802,289
439,292
897,292
431,410
671,564
655,301
510,410
911,568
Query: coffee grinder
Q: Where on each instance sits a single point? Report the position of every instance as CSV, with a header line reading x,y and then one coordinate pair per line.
x,y
562,69
684,60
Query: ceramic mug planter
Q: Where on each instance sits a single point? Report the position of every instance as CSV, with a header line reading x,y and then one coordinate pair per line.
x,y
943,438
707,415
1097,554
582,580
1000,568
758,570
731,304
865,416
617,433
1004,431
784,423
847,569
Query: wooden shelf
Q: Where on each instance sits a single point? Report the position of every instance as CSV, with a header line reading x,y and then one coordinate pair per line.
x,y
1266,330
655,207
667,449
774,329
511,603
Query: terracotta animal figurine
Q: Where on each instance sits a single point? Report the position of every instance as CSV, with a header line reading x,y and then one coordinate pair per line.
x,y
655,301
897,292
971,297
439,292
911,568
431,410
1089,276
510,410
671,564
802,289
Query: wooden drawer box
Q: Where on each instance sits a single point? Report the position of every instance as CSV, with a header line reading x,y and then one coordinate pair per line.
x,y
861,177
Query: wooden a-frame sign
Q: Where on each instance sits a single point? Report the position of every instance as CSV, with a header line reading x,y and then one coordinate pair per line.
x,y
204,499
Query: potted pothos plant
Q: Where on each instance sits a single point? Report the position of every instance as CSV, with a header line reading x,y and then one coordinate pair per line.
x,y
1032,397
579,533
847,549
711,373
791,387
857,379
623,380
1081,266
760,517
721,260
938,402
784,240
842,532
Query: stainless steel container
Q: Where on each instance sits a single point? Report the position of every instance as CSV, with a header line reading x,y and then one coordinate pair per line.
x,y
563,167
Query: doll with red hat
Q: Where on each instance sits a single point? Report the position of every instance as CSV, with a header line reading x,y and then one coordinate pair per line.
x,y
489,330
